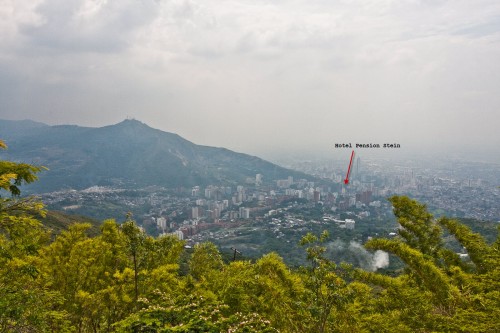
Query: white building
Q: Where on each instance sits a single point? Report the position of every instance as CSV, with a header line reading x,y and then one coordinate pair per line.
x,y
194,212
161,222
195,191
178,234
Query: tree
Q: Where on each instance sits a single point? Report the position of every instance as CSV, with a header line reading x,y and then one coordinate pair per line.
x,y
135,240
25,305
329,293
205,259
192,313
280,294
437,291
12,176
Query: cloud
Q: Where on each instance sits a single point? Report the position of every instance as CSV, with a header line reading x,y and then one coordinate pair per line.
x,y
488,28
288,74
88,26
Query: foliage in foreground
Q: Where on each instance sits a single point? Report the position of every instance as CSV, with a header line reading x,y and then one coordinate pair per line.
x,y
125,281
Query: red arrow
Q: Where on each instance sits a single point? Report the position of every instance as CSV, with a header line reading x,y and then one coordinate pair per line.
x,y
346,180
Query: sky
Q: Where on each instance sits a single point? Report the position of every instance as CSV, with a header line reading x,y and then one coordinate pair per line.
x,y
261,77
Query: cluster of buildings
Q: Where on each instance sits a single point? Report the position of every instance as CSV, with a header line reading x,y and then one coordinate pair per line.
x,y
216,206
455,188
189,212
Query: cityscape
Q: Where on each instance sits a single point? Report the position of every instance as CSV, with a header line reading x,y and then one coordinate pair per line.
x,y
249,215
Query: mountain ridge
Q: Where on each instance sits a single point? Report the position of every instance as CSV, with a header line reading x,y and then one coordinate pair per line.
x,y
129,153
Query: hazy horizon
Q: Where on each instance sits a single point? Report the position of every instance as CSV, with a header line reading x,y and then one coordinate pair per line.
x,y
287,157
261,77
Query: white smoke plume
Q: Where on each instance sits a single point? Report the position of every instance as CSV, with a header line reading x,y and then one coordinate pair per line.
x,y
380,260
356,254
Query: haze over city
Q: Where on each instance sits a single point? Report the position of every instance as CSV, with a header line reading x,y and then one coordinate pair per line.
x,y
261,77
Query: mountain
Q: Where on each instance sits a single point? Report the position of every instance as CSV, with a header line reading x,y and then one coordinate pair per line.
x,y
128,154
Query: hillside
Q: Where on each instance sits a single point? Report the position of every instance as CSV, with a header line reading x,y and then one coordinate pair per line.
x,y
58,222
128,154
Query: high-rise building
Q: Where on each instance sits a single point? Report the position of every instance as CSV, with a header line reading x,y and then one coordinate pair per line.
x,y
195,212
161,222
316,196
244,213
195,191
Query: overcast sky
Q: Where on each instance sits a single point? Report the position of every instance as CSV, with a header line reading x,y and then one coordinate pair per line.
x,y
260,76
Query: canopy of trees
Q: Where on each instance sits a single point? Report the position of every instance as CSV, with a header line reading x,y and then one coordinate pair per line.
x,y
125,281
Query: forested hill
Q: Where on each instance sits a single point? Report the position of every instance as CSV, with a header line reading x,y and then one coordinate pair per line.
x,y
129,153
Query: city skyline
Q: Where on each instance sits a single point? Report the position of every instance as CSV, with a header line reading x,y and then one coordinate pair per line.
x,y
261,77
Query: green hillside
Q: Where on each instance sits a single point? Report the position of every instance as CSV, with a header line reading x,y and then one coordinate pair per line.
x,y
128,154
58,222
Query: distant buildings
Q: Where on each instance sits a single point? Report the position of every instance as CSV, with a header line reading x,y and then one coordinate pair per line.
x,y
349,224
161,223
179,234
258,179
195,212
244,213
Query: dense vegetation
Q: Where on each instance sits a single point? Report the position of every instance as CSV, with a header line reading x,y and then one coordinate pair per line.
x,y
122,280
